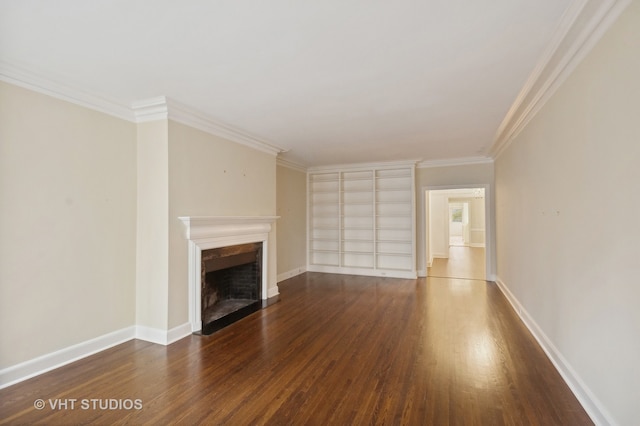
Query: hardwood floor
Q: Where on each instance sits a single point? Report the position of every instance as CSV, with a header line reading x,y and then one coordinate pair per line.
x,y
463,262
336,350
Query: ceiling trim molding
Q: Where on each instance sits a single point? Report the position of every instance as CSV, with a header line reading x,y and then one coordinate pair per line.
x,y
151,109
582,25
364,166
36,82
158,108
291,165
465,161
163,108
190,117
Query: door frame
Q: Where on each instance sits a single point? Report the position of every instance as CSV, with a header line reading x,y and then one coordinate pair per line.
x,y
489,220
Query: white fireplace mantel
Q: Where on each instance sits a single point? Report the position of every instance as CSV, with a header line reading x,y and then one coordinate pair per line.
x,y
209,232
203,227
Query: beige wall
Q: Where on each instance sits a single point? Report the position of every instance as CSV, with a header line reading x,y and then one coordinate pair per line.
x,y
450,177
91,242
67,224
477,232
210,176
152,254
454,175
291,201
438,214
568,209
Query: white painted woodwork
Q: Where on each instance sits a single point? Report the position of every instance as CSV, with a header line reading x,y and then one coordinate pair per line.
x,y
362,221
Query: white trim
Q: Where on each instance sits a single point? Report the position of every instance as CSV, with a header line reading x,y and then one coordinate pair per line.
x,y
163,108
179,332
208,232
594,408
464,161
42,364
362,166
163,337
153,335
199,227
291,165
582,25
272,292
190,117
477,245
368,272
38,83
510,120
151,109
292,273
157,108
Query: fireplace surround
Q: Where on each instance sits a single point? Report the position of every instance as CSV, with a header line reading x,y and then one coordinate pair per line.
x,y
212,232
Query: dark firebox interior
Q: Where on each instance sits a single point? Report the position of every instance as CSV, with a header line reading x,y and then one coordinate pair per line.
x,y
231,284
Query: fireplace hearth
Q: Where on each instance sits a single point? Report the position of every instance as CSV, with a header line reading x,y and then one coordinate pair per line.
x,y
231,284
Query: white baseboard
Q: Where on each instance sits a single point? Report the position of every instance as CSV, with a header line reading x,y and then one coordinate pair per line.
x,y
34,367
178,332
272,292
149,334
162,337
367,272
594,408
422,273
292,273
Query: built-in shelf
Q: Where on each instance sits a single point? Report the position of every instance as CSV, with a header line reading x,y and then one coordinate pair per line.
x,y
362,221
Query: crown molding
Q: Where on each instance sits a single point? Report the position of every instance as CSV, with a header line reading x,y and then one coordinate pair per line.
x,y
38,83
151,109
464,161
185,115
582,25
163,108
291,165
157,108
364,166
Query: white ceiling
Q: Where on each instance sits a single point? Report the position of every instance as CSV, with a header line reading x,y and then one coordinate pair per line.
x,y
330,81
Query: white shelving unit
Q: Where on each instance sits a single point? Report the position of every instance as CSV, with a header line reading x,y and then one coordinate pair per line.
x,y
357,237
362,221
324,219
395,230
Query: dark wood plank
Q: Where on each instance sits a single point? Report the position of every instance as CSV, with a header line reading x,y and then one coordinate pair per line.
x,y
336,349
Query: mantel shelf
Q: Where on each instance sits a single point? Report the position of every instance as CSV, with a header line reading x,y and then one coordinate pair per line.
x,y
198,227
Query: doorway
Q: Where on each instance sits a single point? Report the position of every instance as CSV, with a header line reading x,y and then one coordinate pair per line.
x,y
455,221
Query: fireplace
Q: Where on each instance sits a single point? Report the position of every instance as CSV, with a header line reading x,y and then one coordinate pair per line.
x,y
214,232
231,281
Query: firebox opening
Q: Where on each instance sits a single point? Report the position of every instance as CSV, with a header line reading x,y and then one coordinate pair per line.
x,y
231,284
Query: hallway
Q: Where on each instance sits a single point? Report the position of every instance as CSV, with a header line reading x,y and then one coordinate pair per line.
x,y
464,262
